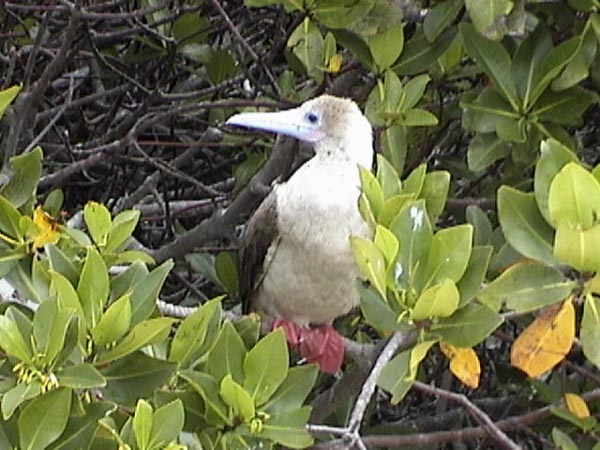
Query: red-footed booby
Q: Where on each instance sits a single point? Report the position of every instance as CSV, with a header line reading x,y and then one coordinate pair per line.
x,y
296,264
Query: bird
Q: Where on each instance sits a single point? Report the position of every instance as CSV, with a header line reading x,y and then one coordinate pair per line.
x,y
296,262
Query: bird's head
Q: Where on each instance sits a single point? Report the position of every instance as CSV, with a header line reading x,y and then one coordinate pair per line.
x,y
334,125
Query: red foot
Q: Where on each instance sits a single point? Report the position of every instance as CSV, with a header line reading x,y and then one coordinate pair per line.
x,y
322,345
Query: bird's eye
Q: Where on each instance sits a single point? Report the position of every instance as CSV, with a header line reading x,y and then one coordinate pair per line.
x,y
312,117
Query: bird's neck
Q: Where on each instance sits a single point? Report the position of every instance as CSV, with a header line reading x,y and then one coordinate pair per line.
x,y
355,151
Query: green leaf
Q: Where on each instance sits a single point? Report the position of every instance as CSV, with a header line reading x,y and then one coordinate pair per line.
x,y
395,146
493,59
248,328
43,420
148,332
589,334
375,309
167,423
448,256
50,326
142,424
145,292
7,96
469,326
122,283
578,248
585,424
292,393
65,293
59,262
80,376
17,395
92,288
376,106
474,276
11,340
288,428
216,411
80,430
372,190
490,112
440,300
574,197
26,171
226,357
237,398
196,333
554,156
526,286
488,16
415,181
121,229
98,221
387,46
114,323
562,440
440,17
394,378
388,178
435,192
370,262
419,118
9,220
484,150
578,69
413,230
392,207
340,13
387,243
552,65
266,366
135,376
221,65
226,270
523,226
419,54
306,42
482,226
131,256
564,107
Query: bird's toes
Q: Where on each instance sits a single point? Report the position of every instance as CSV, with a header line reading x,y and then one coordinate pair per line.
x,y
324,346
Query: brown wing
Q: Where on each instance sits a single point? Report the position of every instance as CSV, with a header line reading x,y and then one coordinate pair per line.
x,y
261,232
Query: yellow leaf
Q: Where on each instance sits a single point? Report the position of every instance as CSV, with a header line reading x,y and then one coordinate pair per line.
x,y
47,229
464,364
546,341
335,63
577,406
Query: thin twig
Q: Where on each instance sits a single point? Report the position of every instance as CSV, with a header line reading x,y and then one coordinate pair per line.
x,y
494,432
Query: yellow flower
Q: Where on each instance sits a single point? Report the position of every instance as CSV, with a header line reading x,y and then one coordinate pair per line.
x,y
47,229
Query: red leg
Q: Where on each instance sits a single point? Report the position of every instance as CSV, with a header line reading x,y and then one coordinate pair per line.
x,y
292,332
321,345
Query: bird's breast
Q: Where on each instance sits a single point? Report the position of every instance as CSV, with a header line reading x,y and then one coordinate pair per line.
x,y
312,271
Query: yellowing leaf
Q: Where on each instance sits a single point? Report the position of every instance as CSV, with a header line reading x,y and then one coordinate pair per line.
x,y
335,63
464,364
576,406
46,231
546,341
